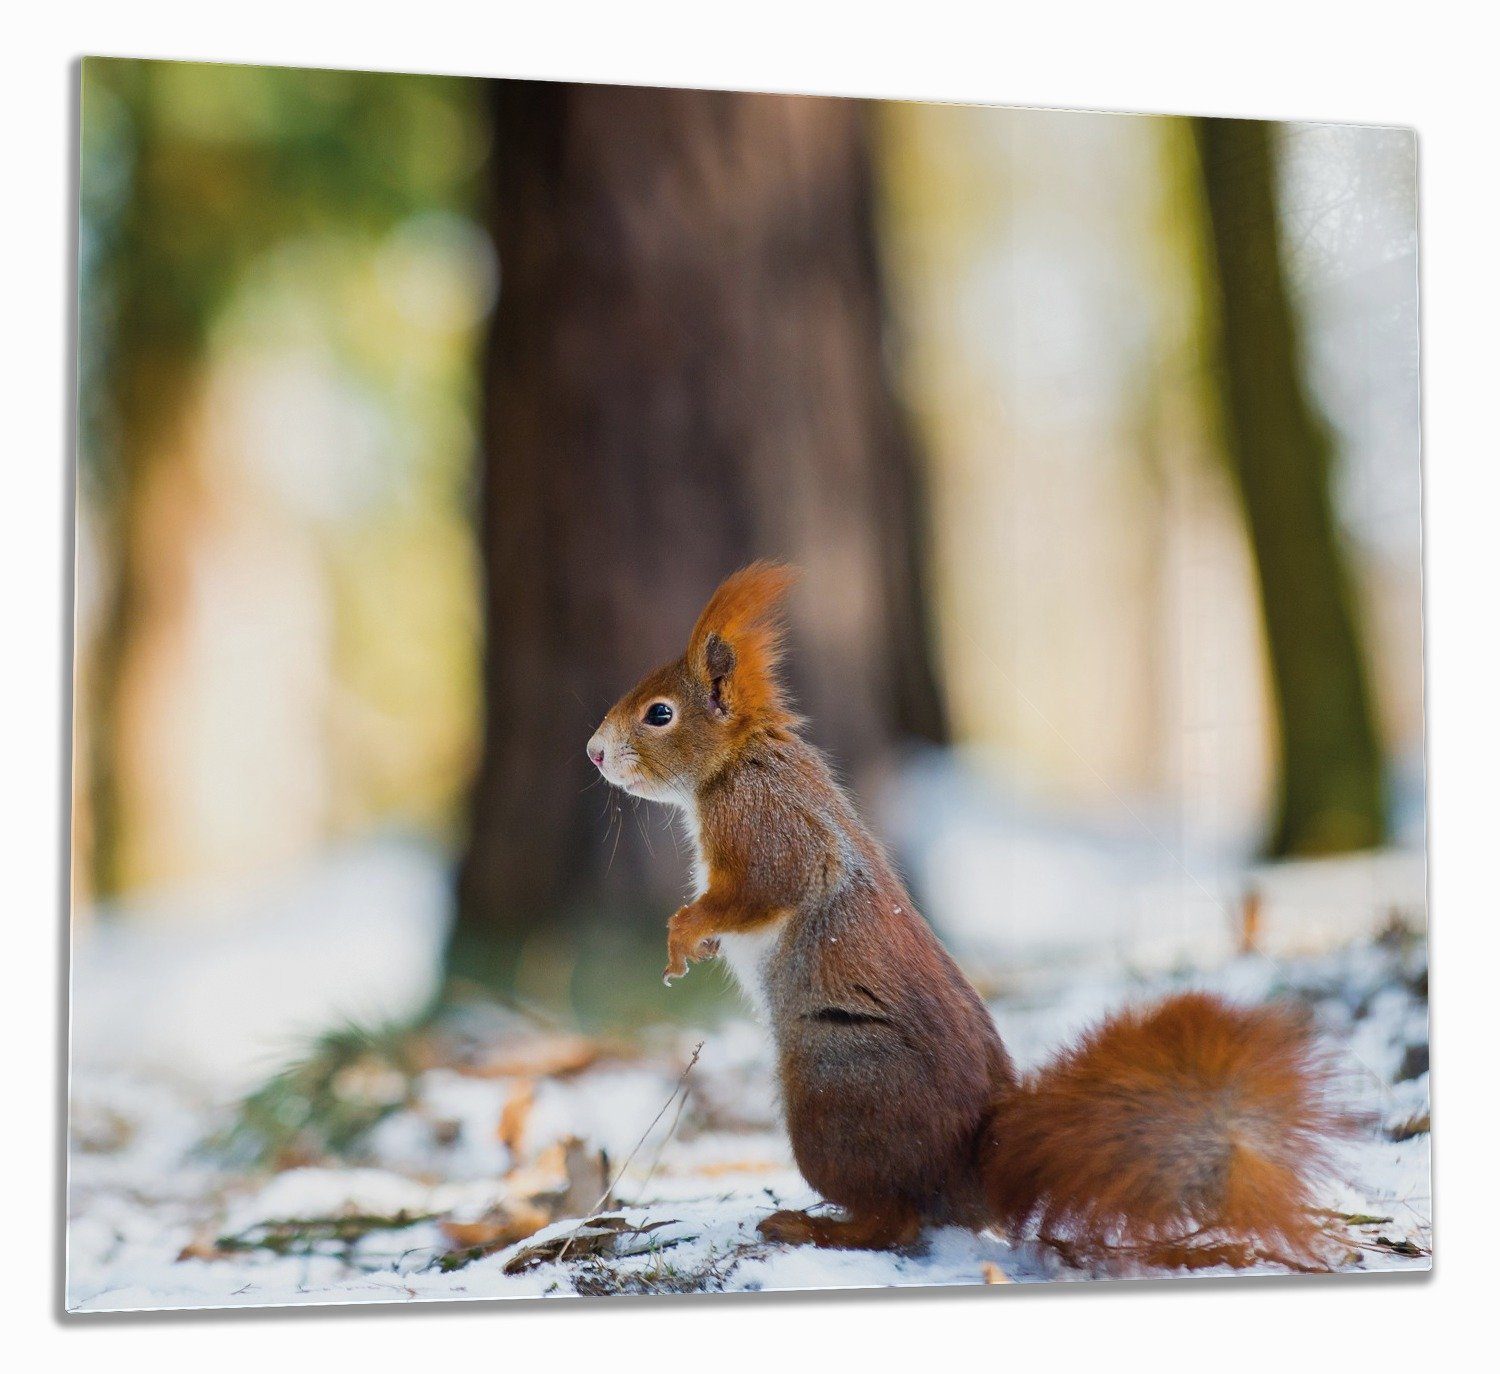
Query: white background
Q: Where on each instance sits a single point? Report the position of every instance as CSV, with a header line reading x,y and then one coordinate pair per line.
x,y
1425,65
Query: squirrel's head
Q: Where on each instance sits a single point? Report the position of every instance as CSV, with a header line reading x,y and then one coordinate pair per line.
x,y
683,723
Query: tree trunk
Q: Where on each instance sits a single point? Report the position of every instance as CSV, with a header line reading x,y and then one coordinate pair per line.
x,y
685,372
1330,790
133,461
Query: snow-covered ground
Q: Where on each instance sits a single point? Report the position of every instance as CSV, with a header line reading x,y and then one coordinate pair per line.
x,y
490,1146
220,985
1016,887
476,1182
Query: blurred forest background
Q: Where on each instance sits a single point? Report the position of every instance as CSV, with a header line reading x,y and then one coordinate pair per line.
x,y
418,415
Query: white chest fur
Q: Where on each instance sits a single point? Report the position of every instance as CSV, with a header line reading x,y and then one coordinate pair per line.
x,y
745,954
692,834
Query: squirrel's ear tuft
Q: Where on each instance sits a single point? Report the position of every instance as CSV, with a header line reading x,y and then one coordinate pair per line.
x,y
737,641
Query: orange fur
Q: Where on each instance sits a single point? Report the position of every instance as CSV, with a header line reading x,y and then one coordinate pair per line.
x,y
1192,1129
745,613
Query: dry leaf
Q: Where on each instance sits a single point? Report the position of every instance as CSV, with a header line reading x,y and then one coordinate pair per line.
x,y
1252,921
1420,1124
589,1189
499,1227
993,1273
549,1056
602,1237
736,1166
546,1174
515,1114
203,1246
572,1178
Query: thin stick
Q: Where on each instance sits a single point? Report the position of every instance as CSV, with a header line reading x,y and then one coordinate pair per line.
x,y
662,1148
614,1183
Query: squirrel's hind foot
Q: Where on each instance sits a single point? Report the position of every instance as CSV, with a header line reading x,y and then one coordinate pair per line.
x,y
889,1230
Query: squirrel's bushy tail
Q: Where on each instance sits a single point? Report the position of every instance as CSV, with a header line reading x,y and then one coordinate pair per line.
x,y
1189,1133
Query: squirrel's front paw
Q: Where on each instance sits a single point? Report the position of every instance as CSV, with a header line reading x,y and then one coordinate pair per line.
x,y
684,945
679,956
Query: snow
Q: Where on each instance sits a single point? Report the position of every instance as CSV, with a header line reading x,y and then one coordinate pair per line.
x,y
1013,886
189,1002
143,1192
220,984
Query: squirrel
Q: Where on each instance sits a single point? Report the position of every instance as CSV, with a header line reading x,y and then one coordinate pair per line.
x,y
1188,1133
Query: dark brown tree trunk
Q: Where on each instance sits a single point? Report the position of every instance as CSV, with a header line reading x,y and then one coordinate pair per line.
x,y
686,371
1331,791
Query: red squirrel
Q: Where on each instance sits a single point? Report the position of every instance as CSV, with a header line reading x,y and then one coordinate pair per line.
x,y
1191,1132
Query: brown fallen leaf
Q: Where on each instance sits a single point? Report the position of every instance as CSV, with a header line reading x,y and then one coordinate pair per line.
x,y
1410,1128
993,1273
589,1188
1251,921
516,1113
734,1166
546,1174
612,1237
567,1176
498,1227
546,1056
203,1246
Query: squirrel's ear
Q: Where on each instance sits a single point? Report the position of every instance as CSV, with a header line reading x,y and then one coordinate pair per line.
x,y
718,663
718,657
737,641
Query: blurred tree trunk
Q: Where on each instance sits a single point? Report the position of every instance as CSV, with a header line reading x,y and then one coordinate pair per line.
x,y
1331,791
143,475
685,372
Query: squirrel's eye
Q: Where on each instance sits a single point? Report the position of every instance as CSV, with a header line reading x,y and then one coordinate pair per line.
x,y
658,713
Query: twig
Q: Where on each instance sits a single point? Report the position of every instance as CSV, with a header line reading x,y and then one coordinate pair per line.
x,y
662,1148
614,1183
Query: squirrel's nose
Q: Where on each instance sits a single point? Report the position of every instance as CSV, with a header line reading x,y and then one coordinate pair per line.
x,y
595,752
